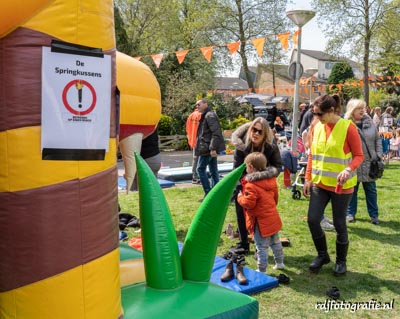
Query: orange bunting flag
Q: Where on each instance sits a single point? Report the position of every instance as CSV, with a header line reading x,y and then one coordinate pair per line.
x,y
233,47
296,37
284,38
157,59
137,58
207,52
259,44
180,55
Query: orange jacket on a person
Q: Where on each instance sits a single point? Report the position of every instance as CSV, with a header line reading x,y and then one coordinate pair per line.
x,y
192,124
259,198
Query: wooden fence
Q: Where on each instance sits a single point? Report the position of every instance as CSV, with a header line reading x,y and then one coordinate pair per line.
x,y
171,142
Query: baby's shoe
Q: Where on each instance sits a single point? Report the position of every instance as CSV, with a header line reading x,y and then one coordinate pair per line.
x,y
279,266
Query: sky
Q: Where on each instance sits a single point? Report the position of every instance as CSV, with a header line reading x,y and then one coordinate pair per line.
x,y
312,38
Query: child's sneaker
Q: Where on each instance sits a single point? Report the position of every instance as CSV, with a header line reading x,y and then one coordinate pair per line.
x,y
279,266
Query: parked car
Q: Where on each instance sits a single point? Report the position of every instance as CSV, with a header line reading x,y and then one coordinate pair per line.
x,y
270,111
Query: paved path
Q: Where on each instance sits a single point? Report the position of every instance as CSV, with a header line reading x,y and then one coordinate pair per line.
x,y
177,159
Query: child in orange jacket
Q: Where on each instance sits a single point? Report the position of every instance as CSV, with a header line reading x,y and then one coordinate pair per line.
x,y
259,198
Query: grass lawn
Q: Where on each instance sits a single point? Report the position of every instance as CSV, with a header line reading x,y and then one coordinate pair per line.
x,y
373,259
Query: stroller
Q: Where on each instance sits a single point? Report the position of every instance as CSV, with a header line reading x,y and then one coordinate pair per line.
x,y
299,180
290,167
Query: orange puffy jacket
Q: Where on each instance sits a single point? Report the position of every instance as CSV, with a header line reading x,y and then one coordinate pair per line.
x,y
259,198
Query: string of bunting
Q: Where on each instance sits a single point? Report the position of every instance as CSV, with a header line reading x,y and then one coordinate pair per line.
x,y
233,47
377,81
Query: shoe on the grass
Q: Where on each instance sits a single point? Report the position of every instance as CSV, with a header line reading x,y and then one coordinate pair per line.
x,y
134,222
285,242
123,235
279,266
333,292
351,219
375,220
283,279
325,225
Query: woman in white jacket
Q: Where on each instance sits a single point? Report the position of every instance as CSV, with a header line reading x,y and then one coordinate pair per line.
x,y
356,111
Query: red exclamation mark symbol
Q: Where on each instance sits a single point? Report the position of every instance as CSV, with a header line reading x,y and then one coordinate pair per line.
x,y
79,87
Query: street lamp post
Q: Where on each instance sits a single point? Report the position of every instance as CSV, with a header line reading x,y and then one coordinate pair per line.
x,y
300,18
311,73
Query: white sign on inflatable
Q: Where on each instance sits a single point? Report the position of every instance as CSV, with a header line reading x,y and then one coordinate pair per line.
x,y
76,97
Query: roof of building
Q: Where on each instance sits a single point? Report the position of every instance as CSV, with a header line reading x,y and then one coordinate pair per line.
x,y
281,70
322,56
227,83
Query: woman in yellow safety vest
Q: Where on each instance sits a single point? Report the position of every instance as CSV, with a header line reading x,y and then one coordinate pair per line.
x,y
335,154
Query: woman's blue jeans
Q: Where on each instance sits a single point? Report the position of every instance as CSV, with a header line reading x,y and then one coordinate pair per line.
x,y
371,198
212,164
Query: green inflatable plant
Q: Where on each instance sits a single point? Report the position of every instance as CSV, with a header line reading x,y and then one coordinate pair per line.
x,y
164,268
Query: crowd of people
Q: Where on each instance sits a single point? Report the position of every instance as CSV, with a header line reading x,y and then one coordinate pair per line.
x,y
339,150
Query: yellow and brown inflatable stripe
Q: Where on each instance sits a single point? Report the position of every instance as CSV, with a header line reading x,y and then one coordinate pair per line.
x,y
58,219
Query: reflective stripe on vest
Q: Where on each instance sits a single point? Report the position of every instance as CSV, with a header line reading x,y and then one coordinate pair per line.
x,y
328,157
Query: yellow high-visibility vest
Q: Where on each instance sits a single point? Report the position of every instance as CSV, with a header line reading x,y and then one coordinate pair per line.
x,y
328,157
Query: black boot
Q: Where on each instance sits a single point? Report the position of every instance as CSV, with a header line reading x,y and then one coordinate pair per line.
x,y
241,248
228,274
323,257
241,278
341,254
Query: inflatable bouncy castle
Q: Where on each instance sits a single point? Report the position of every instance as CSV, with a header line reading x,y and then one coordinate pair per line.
x,y
61,113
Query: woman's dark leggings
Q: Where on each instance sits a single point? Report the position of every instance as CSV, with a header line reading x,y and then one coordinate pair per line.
x,y
241,223
319,199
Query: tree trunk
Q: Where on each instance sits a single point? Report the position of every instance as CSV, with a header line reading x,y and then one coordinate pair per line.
x,y
242,47
366,57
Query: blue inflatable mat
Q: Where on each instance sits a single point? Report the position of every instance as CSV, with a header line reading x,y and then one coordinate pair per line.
x,y
163,183
257,281
177,174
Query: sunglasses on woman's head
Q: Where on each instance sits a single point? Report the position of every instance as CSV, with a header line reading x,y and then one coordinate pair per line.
x,y
254,130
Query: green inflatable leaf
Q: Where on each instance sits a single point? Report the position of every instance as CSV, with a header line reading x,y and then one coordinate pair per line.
x,y
160,245
201,241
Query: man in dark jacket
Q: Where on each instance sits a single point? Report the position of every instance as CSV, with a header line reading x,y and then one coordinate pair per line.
x,y
209,143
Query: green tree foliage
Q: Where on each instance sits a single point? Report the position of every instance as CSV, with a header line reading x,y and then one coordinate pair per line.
x,y
121,37
244,20
376,97
351,26
163,26
341,71
165,125
227,109
392,100
351,89
386,59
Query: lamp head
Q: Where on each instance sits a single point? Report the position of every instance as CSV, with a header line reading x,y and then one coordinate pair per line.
x,y
300,17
